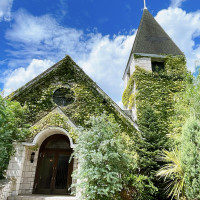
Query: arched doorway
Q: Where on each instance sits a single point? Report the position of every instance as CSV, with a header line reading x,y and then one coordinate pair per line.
x,y
54,168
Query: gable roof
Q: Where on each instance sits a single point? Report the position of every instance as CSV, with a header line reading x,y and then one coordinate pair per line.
x,y
152,39
64,65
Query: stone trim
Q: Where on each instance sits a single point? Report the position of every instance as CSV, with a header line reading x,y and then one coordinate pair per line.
x,y
40,137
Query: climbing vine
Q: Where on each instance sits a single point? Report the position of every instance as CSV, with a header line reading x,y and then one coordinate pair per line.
x,y
166,82
89,101
154,101
54,119
128,91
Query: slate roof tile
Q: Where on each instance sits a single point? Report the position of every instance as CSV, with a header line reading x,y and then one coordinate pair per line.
x,y
152,39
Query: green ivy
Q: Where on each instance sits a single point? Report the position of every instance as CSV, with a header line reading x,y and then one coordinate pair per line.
x,y
88,100
53,119
131,101
169,80
154,102
128,91
13,128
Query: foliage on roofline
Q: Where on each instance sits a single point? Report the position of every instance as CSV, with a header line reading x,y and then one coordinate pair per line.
x,y
89,98
53,119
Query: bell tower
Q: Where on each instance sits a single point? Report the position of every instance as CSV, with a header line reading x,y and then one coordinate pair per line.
x,y
151,46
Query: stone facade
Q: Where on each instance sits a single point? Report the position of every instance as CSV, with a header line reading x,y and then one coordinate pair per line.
x,y
15,167
6,187
74,181
143,62
28,175
23,171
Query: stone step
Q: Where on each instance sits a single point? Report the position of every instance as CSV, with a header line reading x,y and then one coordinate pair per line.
x,y
41,197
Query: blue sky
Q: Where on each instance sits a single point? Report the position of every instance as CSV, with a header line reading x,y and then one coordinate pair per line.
x,y
97,34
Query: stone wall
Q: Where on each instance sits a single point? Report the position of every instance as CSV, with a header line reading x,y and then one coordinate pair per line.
x,y
74,181
28,174
144,63
15,167
6,187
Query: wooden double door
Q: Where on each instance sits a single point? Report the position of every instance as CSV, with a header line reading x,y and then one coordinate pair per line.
x,y
54,168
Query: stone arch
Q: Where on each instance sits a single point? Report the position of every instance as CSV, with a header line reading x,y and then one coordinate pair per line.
x,y
41,136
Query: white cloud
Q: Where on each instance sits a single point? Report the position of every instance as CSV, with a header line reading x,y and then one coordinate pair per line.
x,y
176,3
107,61
42,36
5,9
184,30
103,58
20,76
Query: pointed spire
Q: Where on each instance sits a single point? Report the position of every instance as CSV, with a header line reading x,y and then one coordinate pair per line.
x,y
152,39
145,4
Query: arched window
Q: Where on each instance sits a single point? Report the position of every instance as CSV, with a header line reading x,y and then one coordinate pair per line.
x,y
57,144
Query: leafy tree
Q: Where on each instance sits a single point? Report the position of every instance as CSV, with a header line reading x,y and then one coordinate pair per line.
x,y
137,185
13,127
151,145
183,168
102,158
190,157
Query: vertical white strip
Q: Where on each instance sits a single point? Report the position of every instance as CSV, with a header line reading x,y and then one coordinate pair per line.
x,y
145,4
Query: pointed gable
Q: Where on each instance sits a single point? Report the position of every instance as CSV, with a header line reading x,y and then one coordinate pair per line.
x,y
152,39
88,98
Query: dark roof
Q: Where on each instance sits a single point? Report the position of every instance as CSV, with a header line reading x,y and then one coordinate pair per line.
x,y
152,39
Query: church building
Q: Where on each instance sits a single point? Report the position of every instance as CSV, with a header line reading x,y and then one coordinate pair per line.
x,y
61,99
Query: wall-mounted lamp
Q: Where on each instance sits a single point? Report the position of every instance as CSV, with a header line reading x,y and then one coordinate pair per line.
x,y
32,157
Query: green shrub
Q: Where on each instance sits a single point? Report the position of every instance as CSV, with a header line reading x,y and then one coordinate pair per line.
x,y
13,127
102,158
190,151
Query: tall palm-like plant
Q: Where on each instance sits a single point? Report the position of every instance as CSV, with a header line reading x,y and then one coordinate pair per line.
x,y
173,171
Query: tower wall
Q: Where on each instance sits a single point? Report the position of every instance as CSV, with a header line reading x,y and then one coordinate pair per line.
x,y
144,63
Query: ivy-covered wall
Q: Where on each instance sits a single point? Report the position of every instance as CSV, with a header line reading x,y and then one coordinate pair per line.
x,y
37,95
156,89
154,98
54,119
